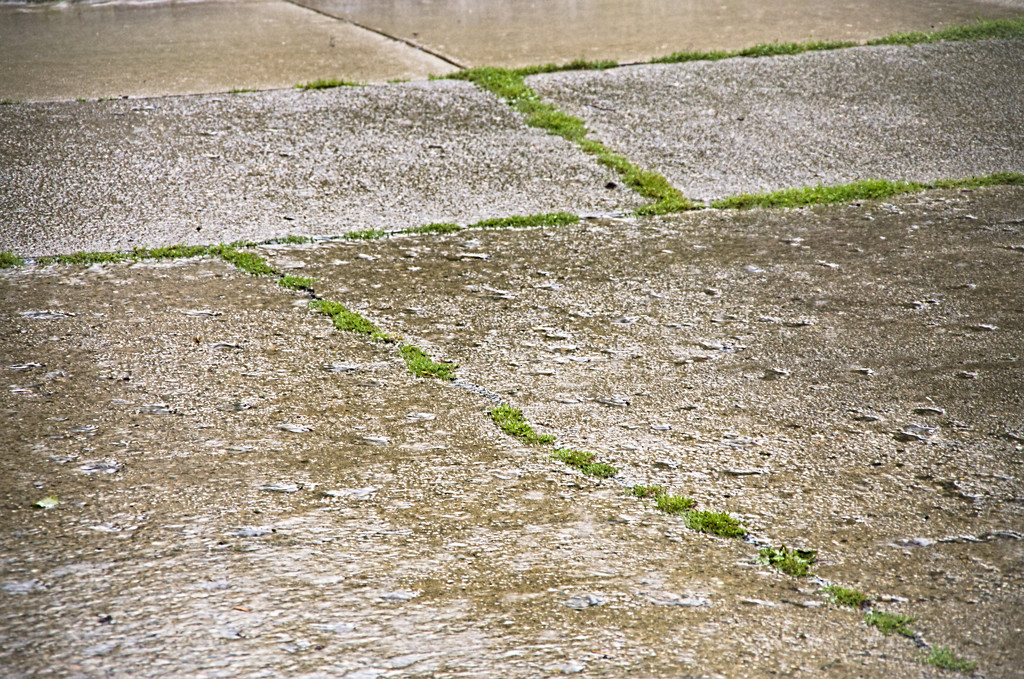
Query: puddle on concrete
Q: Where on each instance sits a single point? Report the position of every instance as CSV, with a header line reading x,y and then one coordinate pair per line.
x,y
67,51
605,333
512,33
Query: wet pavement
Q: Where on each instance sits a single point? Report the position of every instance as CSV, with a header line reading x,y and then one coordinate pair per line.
x,y
513,33
203,477
245,490
60,51
749,125
116,175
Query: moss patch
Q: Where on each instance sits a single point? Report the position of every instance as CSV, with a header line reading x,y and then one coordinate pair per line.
x,y
512,421
795,562
421,365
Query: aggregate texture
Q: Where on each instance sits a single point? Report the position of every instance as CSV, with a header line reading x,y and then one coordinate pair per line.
x,y
242,490
67,50
204,169
512,33
743,125
847,378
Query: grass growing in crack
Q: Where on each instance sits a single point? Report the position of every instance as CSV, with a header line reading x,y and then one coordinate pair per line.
x,y
246,261
944,658
437,227
510,85
528,221
890,622
289,240
762,50
584,461
9,260
646,491
795,562
983,30
326,84
871,189
842,596
421,365
241,90
511,421
674,504
349,321
715,523
296,282
366,234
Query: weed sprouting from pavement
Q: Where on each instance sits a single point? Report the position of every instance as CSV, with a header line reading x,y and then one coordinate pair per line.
x,y
349,321
645,491
584,461
842,596
296,282
512,421
527,221
674,504
871,189
795,562
944,658
890,622
326,84
366,234
984,29
715,523
9,260
421,365
436,227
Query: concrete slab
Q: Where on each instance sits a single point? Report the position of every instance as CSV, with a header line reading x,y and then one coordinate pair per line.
x,y
245,491
846,379
71,50
747,125
121,174
514,33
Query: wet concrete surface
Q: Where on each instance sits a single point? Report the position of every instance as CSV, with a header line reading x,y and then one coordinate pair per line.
x,y
90,50
121,174
748,125
512,33
244,490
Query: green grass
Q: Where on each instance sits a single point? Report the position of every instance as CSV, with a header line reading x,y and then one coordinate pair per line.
x,y
241,90
349,321
646,491
528,221
421,365
512,421
584,461
674,504
437,227
9,260
510,85
984,29
576,65
761,50
296,282
795,562
366,234
8,102
871,189
246,261
890,622
841,596
326,84
290,240
715,523
944,658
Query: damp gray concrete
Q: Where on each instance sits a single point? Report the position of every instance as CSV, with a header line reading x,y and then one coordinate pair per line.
x,y
202,169
69,50
747,125
513,33
243,489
